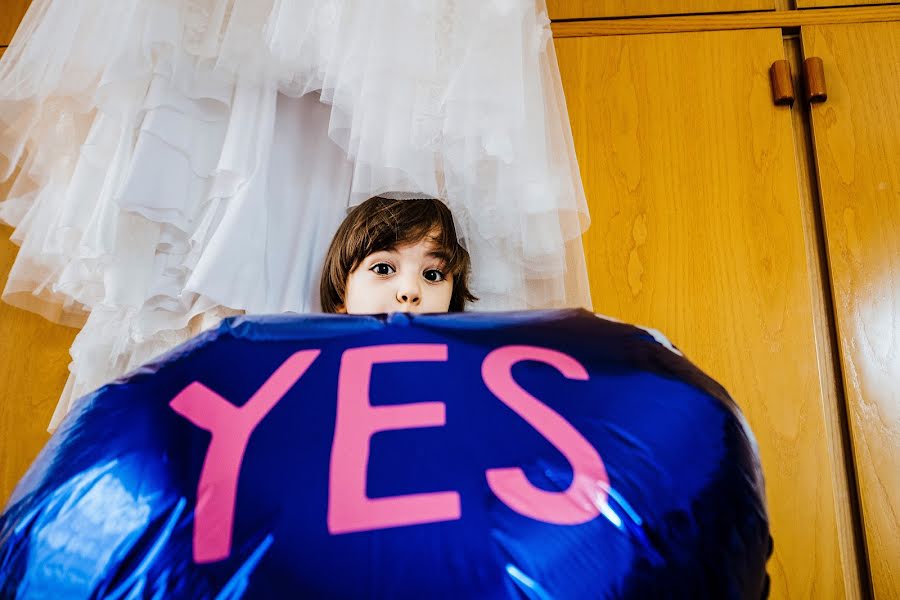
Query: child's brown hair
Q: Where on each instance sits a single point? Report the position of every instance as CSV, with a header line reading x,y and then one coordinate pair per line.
x,y
383,223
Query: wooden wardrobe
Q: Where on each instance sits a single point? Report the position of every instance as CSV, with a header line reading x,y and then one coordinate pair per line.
x,y
763,239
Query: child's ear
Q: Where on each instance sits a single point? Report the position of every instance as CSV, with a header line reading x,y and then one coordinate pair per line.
x,y
341,310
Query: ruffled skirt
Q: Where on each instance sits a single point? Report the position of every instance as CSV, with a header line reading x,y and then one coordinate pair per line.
x,y
177,161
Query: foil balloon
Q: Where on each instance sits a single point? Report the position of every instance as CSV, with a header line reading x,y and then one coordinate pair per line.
x,y
521,455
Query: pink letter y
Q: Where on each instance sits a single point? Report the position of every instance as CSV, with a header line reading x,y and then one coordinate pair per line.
x,y
231,427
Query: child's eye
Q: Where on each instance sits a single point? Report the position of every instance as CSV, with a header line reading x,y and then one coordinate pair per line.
x,y
434,275
382,269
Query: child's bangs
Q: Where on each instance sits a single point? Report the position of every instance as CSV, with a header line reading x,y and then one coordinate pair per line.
x,y
409,222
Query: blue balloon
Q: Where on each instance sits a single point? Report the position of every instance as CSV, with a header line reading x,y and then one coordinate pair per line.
x,y
521,455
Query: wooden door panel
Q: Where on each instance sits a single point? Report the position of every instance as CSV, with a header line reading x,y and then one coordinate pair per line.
x,y
11,13
34,359
857,142
585,9
828,3
697,231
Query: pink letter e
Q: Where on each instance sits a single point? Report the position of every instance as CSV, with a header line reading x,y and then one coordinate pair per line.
x,y
349,508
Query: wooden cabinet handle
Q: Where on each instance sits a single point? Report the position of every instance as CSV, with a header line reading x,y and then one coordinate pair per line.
x,y
782,83
814,76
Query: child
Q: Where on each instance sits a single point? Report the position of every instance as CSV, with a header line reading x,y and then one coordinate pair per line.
x,y
396,256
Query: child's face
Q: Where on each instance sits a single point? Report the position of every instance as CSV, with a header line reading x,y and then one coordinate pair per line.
x,y
403,279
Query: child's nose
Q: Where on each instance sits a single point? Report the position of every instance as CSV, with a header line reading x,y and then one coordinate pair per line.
x,y
408,298
409,294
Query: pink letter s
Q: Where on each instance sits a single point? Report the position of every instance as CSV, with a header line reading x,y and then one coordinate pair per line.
x,y
587,494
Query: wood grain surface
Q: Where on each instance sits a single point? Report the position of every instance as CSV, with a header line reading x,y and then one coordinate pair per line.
x,y
582,9
11,13
825,3
716,22
34,358
857,142
698,231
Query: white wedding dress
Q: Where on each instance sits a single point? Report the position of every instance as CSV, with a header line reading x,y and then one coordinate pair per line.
x,y
177,161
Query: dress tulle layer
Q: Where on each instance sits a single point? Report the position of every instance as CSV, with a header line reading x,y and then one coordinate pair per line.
x,y
179,161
